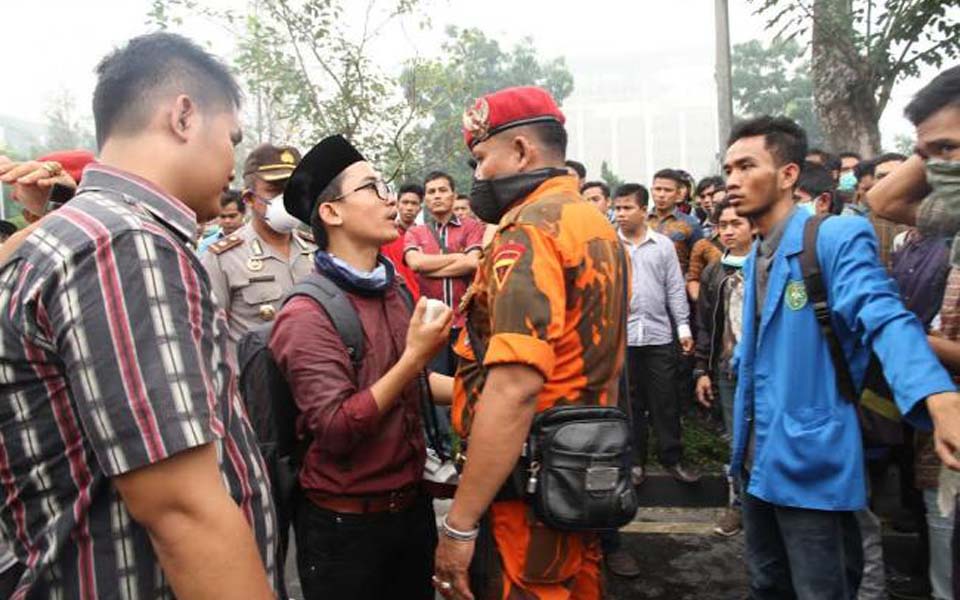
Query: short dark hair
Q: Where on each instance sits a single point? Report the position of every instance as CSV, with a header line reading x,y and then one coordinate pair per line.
x,y
553,136
671,174
849,154
636,191
719,208
889,156
940,93
411,188
329,193
865,168
578,167
823,154
432,175
714,181
816,180
686,180
463,197
785,140
131,78
233,197
833,163
599,184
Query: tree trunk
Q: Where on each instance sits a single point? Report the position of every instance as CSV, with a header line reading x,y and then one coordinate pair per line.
x,y
842,87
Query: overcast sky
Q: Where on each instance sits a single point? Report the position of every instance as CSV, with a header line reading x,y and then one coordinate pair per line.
x,y
43,55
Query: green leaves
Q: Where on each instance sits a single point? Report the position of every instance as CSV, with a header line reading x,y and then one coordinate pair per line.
x,y
471,65
308,69
892,39
775,80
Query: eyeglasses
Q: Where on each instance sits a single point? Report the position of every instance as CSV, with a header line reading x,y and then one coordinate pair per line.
x,y
377,185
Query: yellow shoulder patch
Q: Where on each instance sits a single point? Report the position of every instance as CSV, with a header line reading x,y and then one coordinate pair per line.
x,y
228,243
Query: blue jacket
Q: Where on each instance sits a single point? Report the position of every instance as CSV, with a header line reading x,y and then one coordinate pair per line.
x,y
808,448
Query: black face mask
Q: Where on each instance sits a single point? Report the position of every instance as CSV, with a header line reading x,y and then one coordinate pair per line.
x,y
491,198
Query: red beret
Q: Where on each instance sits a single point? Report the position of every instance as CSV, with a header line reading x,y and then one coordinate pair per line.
x,y
72,161
510,107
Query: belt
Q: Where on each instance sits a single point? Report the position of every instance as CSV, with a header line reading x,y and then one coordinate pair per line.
x,y
392,502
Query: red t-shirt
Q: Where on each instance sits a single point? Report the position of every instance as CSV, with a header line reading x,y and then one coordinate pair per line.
x,y
457,237
356,450
394,252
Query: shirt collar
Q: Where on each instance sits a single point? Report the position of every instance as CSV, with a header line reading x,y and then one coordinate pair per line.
x,y
769,244
136,190
453,222
647,237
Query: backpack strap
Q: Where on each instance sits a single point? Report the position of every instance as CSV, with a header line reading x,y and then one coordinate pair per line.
x,y
338,308
817,294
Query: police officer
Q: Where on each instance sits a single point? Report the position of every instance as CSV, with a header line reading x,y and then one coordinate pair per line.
x,y
546,308
252,269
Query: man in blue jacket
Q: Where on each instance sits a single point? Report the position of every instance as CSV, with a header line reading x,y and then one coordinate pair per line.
x,y
796,439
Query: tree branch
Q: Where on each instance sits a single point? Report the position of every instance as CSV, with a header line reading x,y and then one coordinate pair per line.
x,y
296,48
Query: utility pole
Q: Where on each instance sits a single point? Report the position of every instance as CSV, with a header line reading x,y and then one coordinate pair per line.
x,y
723,75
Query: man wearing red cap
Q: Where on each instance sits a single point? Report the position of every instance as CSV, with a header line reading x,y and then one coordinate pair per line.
x,y
546,322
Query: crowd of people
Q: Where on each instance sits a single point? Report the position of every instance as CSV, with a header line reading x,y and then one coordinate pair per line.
x,y
148,449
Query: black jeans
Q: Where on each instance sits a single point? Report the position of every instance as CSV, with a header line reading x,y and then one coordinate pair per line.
x,y
366,557
653,392
802,554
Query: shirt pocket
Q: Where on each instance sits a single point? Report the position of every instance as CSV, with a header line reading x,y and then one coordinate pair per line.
x,y
263,289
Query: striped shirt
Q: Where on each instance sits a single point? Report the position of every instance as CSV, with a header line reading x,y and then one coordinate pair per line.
x,y
112,357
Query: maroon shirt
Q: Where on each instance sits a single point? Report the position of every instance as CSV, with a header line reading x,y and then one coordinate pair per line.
x,y
457,237
356,450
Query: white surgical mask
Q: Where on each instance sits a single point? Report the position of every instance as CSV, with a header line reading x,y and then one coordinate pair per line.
x,y
277,217
810,207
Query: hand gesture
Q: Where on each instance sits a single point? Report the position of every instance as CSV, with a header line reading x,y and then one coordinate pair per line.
x,y
424,340
945,411
705,391
32,181
451,567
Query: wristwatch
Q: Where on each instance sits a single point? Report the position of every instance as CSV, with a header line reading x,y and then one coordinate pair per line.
x,y
698,373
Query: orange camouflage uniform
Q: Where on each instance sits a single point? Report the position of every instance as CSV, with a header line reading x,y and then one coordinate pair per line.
x,y
549,294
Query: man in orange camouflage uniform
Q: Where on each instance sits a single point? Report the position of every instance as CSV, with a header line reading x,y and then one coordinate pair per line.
x,y
546,307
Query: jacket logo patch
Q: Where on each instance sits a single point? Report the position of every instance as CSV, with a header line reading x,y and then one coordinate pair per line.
x,y
796,295
504,261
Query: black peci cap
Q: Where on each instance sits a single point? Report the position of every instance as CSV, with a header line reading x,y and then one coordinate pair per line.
x,y
318,168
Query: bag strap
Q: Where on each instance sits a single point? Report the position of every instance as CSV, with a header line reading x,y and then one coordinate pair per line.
x,y
817,294
338,308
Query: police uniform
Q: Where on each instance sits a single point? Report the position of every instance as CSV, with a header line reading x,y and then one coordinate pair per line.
x,y
548,294
250,278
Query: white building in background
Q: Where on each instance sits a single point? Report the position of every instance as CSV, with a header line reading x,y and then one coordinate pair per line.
x,y
642,114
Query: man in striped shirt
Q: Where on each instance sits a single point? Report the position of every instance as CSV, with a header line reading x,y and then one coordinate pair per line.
x,y
128,468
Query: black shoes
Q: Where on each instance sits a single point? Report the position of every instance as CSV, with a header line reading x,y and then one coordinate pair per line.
x,y
622,564
682,474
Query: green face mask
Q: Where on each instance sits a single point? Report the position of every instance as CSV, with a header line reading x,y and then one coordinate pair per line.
x,y
939,213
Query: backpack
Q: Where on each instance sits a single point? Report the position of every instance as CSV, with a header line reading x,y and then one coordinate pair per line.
x,y
878,414
267,397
